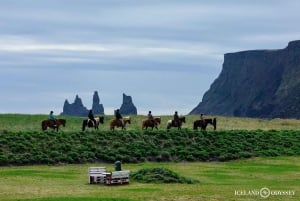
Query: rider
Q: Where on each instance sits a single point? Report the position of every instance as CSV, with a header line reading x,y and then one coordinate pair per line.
x,y
119,117
176,119
52,118
202,117
91,117
150,117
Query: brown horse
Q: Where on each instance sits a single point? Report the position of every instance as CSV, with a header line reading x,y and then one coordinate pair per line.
x,y
151,123
172,123
203,125
49,123
117,123
90,124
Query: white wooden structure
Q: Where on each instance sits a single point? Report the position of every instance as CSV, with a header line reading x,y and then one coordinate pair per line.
x,y
97,175
118,177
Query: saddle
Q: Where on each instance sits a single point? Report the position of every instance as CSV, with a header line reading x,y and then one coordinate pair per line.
x,y
53,123
175,123
90,121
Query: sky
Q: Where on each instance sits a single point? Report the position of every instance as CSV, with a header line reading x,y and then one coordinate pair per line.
x,y
165,54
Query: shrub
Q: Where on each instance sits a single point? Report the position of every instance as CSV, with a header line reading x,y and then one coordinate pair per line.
x,y
159,175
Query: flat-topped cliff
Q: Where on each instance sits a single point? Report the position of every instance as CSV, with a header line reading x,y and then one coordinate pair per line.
x,y
256,83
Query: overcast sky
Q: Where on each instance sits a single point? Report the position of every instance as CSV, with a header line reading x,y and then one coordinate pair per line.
x,y
164,53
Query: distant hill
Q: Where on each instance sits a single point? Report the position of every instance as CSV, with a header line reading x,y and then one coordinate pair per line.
x,y
256,83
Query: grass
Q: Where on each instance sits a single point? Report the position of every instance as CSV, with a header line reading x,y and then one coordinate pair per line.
x,y
24,122
218,181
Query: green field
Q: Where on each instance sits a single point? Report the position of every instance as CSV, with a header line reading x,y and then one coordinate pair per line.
x,y
247,139
218,181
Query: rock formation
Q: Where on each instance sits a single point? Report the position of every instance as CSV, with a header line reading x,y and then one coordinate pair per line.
x,y
257,83
97,107
75,109
127,106
78,109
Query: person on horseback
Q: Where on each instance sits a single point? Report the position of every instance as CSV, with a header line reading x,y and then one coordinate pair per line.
x,y
119,117
150,117
176,119
202,117
52,118
91,117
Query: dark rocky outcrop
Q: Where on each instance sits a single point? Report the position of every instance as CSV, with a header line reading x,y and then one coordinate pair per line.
x,y
78,109
97,107
75,109
258,83
127,106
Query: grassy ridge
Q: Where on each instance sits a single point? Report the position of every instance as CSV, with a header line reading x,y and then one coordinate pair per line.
x,y
22,142
21,148
24,122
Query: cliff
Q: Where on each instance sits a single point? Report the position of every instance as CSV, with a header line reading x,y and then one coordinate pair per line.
x,y
257,83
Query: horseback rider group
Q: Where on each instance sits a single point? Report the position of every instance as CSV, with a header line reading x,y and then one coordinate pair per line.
x,y
176,120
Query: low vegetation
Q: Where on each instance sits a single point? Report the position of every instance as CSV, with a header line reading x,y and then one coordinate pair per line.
x,y
160,175
20,148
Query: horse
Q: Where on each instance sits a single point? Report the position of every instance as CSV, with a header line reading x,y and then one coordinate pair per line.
x,y
90,124
172,123
151,123
203,125
117,123
49,123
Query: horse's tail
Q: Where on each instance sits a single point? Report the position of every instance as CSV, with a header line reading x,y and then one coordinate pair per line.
x,y
84,124
215,123
169,124
112,126
143,124
44,125
195,125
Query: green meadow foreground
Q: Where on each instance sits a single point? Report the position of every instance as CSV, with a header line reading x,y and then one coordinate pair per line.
x,y
236,180
254,178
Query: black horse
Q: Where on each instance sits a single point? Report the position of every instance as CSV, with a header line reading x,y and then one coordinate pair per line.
x,y
203,124
172,123
90,124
